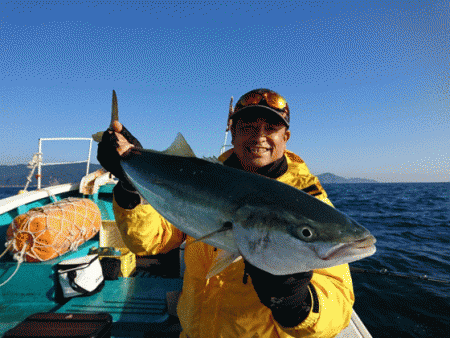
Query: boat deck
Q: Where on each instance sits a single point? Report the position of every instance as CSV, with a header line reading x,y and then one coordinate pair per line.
x,y
137,304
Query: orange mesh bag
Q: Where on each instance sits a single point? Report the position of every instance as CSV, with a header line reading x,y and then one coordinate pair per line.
x,y
52,230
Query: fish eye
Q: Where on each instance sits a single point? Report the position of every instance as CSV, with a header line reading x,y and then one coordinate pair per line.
x,y
306,232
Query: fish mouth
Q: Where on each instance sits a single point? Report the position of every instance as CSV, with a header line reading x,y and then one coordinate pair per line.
x,y
362,247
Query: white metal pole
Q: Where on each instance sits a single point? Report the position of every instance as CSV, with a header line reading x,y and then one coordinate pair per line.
x,y
39,165
222,150
89,157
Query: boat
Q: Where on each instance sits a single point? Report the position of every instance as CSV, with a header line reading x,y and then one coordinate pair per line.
x,y
142,304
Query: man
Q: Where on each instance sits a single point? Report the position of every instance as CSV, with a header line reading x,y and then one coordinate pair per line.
x,y
242,300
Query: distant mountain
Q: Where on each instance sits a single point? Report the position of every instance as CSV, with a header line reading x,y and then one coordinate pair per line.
x,y
331,178
16,175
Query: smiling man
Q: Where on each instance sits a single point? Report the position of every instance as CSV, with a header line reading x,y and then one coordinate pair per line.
x,y
242,300
260,132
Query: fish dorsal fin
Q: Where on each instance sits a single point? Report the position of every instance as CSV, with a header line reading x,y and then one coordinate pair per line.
x,y
212,159
179,147
222,261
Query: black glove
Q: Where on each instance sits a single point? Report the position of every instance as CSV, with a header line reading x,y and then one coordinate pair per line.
x,y
125,194
287,296
107,152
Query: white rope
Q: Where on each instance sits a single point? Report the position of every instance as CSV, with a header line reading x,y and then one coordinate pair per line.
x,y
37,158
50,194
28,231
19,258
8,245
73,246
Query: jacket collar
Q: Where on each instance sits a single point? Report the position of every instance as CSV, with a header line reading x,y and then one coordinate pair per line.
x,y
296,166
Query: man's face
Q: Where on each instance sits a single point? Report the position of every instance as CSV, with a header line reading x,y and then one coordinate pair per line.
x,y
259,139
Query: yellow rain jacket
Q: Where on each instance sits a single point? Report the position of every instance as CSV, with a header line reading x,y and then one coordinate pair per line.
x,y
223,306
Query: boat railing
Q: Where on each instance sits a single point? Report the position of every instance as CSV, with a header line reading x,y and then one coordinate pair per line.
x,y
37,161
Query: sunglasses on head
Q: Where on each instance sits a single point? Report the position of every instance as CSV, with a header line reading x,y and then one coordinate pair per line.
x,y
273,100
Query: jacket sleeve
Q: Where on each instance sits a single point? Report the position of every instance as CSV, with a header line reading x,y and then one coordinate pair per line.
x,y
145,231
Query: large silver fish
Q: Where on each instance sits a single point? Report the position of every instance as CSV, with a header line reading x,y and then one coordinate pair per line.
x,y
277,228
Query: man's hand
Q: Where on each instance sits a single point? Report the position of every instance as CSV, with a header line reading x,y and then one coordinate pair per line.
x,y
123,144
287,296
116,144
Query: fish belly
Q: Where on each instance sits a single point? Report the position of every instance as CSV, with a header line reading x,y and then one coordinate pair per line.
x,y
195,213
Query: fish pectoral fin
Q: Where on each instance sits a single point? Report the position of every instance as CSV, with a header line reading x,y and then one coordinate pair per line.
x,y
97,137
114,109
222,261
227,226
179,147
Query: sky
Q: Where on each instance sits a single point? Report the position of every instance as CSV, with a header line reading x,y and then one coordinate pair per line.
x,y
367,82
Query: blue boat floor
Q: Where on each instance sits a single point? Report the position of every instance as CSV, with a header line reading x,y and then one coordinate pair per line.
x,y
138,307
12,314
138,304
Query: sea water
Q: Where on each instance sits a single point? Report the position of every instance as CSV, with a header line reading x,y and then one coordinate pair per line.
x,y
8,192
411,222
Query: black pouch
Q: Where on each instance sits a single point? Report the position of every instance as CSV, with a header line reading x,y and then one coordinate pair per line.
x,y
51,325
110,268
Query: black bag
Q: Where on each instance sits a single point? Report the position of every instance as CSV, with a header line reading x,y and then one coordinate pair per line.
x,y
51,325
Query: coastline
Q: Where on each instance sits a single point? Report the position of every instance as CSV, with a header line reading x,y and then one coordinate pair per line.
x,y
17,186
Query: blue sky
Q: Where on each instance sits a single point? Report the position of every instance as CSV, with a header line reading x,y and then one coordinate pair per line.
x,y
367,82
